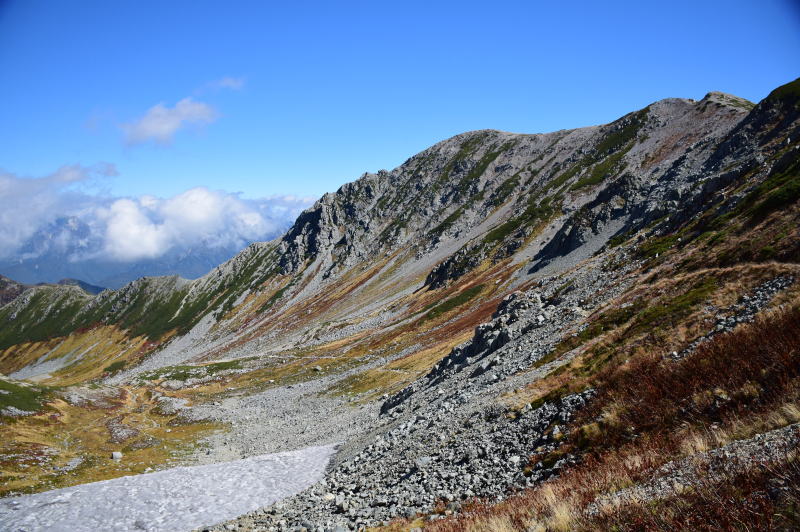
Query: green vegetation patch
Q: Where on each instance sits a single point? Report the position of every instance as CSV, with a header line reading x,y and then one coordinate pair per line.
x,y
454,302
618,240
51,314
639,318
789,93
606,156
605,322
559,181
182,373
46,316
623,136
115,367
476,172
601,170
154,318
467,148
246,279
657,245
394,228
776,193
504,191
277,296
676,309
27,398
532,214
448,222
482,165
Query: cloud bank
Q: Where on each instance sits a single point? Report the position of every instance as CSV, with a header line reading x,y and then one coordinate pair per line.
x,y
147,227
26,204
55,213
160,123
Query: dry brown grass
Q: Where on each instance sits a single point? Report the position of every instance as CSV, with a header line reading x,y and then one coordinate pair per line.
x,y
743,501
27,464
392,376
619,343
695,442
753,368
740,501
650,411
87,352
499,523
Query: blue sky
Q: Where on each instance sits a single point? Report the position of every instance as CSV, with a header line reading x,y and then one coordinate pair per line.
x,y
317,93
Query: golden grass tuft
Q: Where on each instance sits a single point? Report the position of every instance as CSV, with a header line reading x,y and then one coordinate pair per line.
x,y
695,442
499,523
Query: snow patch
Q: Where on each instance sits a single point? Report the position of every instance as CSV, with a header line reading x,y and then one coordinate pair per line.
x,y
183,498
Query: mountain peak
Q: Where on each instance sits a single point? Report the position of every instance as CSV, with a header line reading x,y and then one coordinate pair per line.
x,y
86,287
730,100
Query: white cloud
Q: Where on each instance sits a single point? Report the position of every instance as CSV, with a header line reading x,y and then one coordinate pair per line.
x,y
151,227
160,123
130,234
27,204
55,213
228,83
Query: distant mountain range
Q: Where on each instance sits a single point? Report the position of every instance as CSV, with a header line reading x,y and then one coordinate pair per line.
x,y
69,249
11,289
86,287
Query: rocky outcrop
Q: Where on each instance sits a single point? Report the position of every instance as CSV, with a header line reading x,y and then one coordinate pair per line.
x,y
9,290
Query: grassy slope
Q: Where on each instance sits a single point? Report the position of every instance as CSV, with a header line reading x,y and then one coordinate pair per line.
x,y
36,451
65,322
650,411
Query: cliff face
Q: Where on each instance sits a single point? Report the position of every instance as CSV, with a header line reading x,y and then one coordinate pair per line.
x,y
500,186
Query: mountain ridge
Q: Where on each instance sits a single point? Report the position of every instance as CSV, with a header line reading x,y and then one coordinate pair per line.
x,y
315,234
465,320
